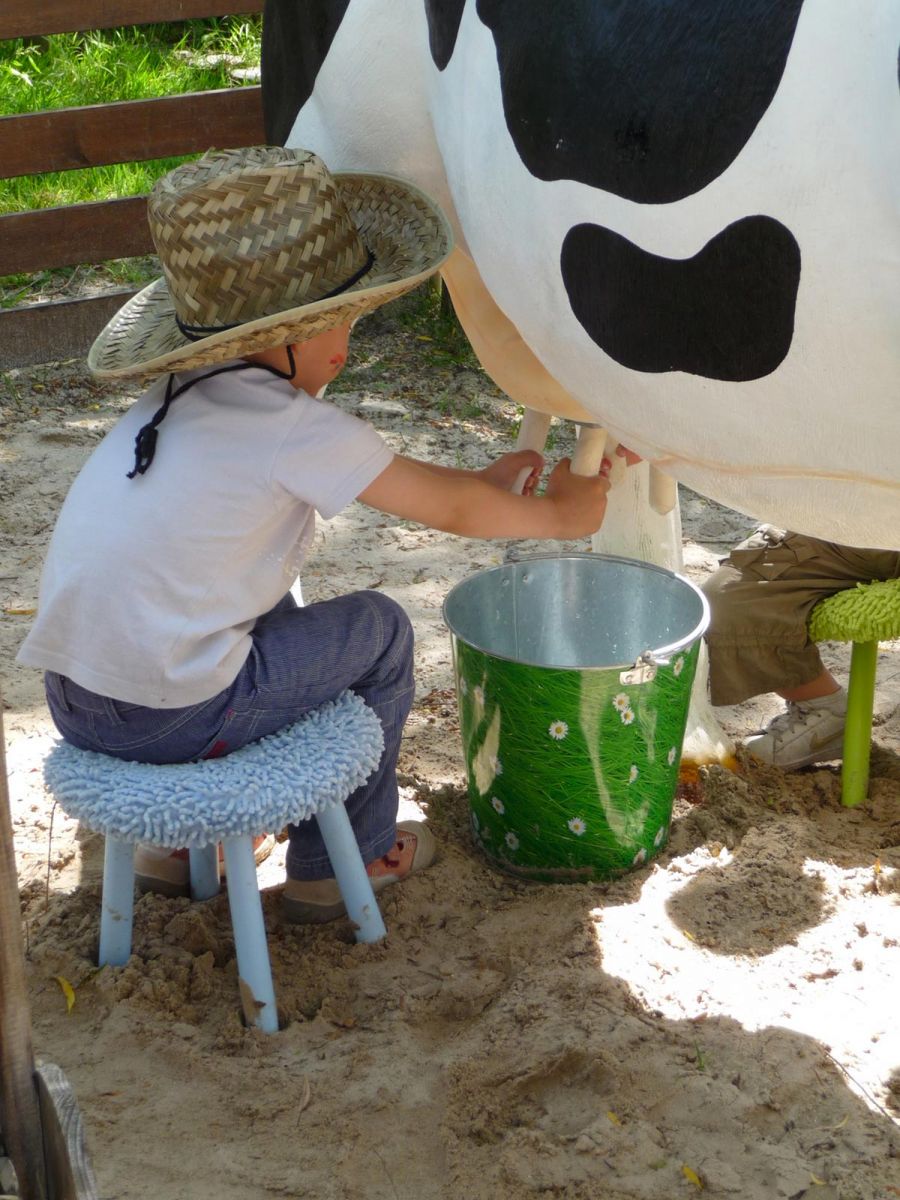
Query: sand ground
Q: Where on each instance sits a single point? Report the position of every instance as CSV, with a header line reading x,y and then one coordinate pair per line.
x,y
723,1020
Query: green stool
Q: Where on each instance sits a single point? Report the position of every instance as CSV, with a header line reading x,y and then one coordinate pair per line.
x,y
864,615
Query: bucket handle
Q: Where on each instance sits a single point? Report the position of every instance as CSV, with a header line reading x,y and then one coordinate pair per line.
x,y
644,670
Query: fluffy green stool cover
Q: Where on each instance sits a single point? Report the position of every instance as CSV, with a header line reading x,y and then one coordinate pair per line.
x,y
870,612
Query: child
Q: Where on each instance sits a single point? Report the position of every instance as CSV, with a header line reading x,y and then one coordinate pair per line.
x,y
761,598
165,624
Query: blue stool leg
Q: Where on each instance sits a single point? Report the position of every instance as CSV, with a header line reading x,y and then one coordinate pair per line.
x,y
257,990
350,873
117,909
204,865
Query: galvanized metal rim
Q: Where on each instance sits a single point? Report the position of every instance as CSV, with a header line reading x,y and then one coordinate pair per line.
x,y
658,652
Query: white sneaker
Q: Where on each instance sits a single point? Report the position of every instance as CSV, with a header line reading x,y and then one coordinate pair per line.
x,y
809,732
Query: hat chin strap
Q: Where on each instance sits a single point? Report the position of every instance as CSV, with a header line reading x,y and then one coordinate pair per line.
x,y
147,436
196,333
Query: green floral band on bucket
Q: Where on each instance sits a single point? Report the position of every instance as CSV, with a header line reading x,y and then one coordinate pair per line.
x,y
571,773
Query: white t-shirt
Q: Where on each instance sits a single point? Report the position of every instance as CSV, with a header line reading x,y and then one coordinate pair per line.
x,y
152,584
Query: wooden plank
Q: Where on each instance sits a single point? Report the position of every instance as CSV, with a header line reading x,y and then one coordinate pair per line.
x,y
69,1172
21,1118
74,233
34,18
67,139
57,330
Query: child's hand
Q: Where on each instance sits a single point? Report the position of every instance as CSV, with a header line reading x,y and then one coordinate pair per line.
x,y
506,470
580,500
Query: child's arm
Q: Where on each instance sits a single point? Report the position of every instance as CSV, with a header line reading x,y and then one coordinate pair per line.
x,y
502,472
478,504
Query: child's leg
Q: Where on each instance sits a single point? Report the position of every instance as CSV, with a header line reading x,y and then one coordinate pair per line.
x,y
761,598
824,684
300,658
305,656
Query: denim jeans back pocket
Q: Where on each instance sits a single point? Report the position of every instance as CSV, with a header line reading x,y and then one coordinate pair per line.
x,y
153,735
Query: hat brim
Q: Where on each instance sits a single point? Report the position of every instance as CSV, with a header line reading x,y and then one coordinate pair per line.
x,y
405,230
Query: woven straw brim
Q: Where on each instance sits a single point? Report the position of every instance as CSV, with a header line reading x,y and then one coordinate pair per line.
x,y
404,229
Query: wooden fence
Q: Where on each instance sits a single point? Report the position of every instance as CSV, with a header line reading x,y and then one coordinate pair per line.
x,y
68,139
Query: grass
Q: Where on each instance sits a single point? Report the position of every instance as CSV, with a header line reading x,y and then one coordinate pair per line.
x,y
131,63
84,280
139,62
429,315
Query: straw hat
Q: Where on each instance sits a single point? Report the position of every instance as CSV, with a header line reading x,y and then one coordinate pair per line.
x,y
263,247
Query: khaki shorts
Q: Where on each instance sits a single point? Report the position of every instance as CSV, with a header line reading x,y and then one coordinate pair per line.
x,y
761,597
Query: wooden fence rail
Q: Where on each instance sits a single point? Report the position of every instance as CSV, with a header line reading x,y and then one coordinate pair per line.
x,y
70,139
37,18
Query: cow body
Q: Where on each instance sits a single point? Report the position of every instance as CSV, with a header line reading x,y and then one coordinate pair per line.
x,y
677,220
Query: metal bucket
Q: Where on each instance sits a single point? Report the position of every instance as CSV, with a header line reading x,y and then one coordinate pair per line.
x,y
573,678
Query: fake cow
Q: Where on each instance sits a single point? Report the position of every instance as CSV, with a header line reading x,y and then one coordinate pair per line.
x,y
677,219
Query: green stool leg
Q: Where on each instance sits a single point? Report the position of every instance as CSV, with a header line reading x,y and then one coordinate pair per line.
x,y
858,730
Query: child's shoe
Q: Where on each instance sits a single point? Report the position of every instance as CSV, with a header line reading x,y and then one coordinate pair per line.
x,y
811,731
168,871
311,901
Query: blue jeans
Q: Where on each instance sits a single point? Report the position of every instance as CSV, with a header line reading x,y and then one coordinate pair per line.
x,y
300,658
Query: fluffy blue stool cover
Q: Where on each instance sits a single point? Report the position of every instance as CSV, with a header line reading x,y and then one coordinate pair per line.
x,y
285,777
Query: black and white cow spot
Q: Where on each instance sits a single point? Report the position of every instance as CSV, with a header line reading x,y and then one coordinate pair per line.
x,y
444,17
648,99
727,313
296,38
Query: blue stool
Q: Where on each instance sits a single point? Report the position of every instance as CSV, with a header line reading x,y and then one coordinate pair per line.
x,y
306,770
